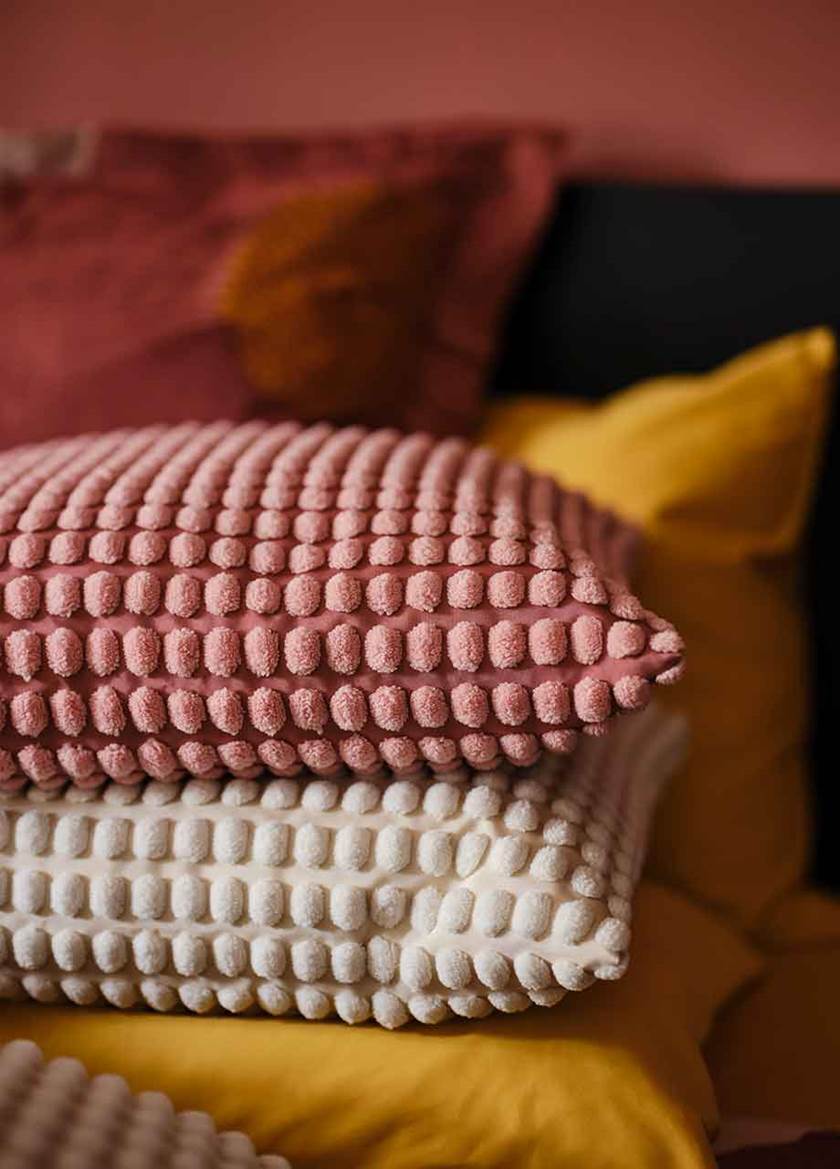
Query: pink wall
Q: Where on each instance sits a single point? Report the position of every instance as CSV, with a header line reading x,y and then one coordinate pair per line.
x,y
733,89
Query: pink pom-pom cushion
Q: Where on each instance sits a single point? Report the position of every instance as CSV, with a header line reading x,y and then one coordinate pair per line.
x,y
206,599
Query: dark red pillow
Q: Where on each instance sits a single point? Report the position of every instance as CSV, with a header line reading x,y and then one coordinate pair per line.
x,y
357,277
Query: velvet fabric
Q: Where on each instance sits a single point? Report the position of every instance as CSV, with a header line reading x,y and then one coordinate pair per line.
x,y
354,277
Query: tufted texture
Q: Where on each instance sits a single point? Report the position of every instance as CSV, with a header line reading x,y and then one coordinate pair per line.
x,y
54,1116
387,898
201,599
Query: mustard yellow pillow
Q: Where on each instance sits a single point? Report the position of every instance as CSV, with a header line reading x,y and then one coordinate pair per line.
x,y
718,470
776,1051
614,1079
805,918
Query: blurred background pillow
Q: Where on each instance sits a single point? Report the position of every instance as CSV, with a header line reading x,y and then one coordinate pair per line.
x,y
361,277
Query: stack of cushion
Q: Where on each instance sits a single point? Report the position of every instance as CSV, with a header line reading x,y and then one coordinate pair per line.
x,y
721,536
315,693
206,642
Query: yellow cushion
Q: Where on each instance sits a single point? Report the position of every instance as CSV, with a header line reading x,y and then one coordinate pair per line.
x,y
776,1052
613,1078
806,917
718,470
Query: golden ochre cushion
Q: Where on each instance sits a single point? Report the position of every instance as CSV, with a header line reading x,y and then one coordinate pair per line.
x,y
776,1051
615,1079
718,470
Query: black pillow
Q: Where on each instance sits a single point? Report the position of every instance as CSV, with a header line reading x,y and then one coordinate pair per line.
x,y
634,281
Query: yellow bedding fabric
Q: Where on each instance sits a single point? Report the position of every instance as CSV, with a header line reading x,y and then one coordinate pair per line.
x,y
613,1077
776,1051
718,470
805,918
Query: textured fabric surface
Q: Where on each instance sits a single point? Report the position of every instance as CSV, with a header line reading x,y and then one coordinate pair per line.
x,y
614,1079
54,1116
718,472
206,599
358,277
393,899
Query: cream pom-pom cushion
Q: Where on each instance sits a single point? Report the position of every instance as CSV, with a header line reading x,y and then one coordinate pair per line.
x,y
197,600
389,898
54,1116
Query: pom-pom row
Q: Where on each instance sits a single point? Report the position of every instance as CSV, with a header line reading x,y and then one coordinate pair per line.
x,y
380,963
386,1007
147,593
465,648
354,830
186,712
131,821
190,953
302,651
355,753
350,707
343,905
271,557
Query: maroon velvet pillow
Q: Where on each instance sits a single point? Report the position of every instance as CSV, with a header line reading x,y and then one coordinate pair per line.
x,y
217,598
357,277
